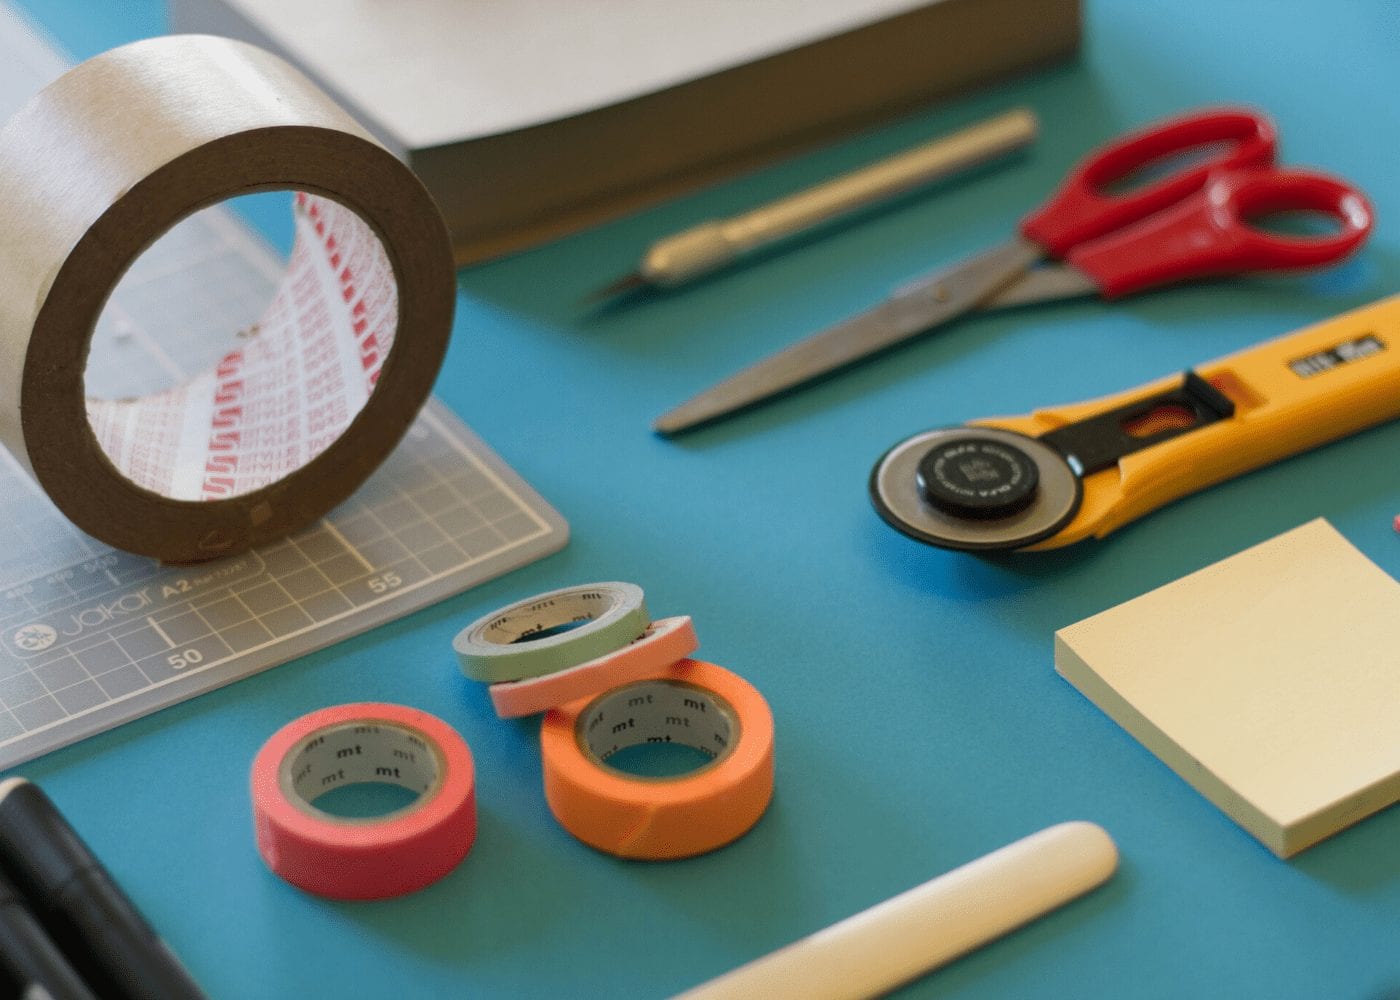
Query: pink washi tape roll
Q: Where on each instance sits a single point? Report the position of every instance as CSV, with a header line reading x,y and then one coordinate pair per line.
x,y
388,855
665,641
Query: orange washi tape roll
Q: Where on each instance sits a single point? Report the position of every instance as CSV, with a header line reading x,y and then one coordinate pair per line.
x,y
665,641
691,702
374,858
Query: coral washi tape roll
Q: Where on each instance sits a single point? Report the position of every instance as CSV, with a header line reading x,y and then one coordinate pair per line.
x,y
692,702
364,858
298,413
665,641
552,631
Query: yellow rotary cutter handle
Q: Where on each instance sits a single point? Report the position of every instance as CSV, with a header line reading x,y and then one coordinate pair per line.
x,y
1063,474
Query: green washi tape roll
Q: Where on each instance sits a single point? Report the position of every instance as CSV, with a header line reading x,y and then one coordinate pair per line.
x,y
551,632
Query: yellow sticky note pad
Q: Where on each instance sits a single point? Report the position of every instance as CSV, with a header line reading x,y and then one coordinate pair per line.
x,y
1270,681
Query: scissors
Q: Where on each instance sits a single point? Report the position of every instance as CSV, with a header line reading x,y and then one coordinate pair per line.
x,y
1191,222
1066,473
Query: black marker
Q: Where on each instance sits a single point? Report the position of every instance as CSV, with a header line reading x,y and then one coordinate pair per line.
x,y
31,966
82,908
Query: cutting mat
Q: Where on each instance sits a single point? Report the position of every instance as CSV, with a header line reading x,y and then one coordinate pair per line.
x,y
91,637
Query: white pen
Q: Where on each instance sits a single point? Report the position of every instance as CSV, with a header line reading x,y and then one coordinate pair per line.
x,y
896,941
711,245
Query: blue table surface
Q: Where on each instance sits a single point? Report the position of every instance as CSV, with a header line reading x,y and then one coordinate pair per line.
x,y
920,723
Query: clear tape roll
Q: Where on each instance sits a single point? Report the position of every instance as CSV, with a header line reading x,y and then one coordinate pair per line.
x,y
95,168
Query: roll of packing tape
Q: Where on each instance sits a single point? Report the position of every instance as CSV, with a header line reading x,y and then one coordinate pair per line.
x,y
364,858
665,641
551,632
298,413
692,702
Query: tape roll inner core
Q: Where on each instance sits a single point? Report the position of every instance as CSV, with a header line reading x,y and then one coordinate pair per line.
x,y
357,752
290,385
542,619
658,711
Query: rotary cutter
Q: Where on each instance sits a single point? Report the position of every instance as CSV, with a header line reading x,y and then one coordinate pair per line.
x,y
1059,475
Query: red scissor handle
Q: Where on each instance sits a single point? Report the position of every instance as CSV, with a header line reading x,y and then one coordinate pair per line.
x,y
1081,210
1209,233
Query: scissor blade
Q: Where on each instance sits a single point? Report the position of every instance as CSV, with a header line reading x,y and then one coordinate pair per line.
x,y
1050,283
918,306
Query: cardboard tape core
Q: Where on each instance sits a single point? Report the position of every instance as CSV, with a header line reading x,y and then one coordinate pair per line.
x,y
658,711
550,615
283,395
366,750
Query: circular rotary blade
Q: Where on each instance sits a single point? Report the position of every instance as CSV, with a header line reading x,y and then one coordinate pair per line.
x,y
975,489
